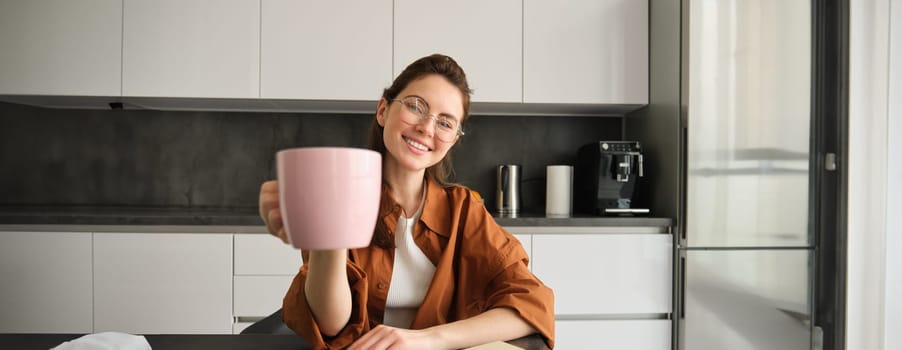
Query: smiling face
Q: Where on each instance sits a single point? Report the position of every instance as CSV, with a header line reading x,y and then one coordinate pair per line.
x,y
413,147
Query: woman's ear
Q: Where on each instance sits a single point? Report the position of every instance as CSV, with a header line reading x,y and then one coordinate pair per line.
x,y
381,109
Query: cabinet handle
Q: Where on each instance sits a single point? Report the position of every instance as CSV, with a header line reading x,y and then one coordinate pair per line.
x,y
248,319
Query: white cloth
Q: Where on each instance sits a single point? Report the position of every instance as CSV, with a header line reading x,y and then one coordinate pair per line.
x,y
411,275
106,341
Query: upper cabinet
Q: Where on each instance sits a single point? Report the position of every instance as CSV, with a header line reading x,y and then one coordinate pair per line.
x,y
519,55
589,51
61,47
325,50
484,37
191,48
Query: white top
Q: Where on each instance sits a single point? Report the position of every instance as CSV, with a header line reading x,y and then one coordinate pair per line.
x,y
411,275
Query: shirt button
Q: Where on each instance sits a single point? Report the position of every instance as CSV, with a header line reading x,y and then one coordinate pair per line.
x,y
380,285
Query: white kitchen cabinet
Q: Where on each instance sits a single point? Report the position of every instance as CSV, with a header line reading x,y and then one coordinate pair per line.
x,y
257,297
193,48
163,283
484,37
613,334
46,282
264,268
585,51
211,52
606,274
325,50
263,254
61,47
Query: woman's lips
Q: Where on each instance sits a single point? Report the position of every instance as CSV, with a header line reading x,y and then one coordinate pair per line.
x,y
416,145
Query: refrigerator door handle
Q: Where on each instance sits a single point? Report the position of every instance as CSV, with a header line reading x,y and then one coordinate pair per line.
x,y
830,162
681,307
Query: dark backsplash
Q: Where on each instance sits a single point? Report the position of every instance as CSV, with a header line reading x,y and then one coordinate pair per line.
x,y
217,160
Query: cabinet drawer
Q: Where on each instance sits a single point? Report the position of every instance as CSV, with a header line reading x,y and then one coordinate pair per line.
x,y
613,334
259,296
605,273
257,254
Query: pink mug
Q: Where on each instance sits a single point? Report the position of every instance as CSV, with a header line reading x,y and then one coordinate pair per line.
x,y
329,196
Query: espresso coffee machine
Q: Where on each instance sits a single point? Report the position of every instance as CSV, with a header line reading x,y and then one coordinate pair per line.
x,y
604,179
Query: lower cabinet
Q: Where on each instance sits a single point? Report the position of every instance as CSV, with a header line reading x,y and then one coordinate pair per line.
x,y
46,282
611,290
605,274
612,334
257,297
162,283
140,283
264,268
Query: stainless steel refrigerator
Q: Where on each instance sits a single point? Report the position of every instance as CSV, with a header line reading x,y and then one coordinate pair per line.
x,y
745,258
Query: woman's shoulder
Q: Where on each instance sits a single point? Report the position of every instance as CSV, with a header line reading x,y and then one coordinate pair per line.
x,y
453,197
461,192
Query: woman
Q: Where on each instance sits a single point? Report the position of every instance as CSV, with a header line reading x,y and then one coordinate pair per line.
x,y
440,273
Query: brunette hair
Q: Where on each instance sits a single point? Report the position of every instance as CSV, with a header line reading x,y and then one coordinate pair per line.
x,y
441,65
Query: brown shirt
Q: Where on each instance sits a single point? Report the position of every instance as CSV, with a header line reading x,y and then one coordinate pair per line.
x,y
479,266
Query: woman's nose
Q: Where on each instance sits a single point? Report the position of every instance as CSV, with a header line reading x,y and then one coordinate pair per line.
x,y
427,125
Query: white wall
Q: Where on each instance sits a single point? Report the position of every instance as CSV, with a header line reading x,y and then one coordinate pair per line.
x,y
894,189
867,164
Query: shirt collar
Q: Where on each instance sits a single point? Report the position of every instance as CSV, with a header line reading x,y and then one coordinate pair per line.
x,y
436,211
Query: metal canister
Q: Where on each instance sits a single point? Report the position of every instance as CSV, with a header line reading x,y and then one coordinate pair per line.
x,y
508,196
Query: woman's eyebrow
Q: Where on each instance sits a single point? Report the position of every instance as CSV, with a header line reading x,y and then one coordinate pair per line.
x,y
446,115
419,97
450,116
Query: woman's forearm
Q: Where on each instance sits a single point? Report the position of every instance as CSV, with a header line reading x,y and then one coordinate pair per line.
x,y
499,324
327,289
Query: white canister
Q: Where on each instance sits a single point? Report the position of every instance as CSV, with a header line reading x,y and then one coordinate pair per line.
x,y
559,191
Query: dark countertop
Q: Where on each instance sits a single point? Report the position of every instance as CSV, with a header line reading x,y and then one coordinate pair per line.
x,y
248,218
127,216
614,221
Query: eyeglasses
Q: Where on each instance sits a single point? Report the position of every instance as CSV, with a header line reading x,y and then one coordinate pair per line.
x,y
446,128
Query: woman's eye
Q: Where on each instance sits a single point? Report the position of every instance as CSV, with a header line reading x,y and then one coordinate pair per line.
x,y
416,108
419,108
445,124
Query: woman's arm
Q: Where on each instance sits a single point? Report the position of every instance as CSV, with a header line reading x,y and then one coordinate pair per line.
x,y
327,289
492,325
499,324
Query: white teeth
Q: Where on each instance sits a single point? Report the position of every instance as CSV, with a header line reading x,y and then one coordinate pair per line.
x,y
416,145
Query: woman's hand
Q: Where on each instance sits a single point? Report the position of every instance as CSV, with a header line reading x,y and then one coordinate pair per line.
x,y
385,337
269,210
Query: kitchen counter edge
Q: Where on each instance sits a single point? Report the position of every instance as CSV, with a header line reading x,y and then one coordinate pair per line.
x,y
253,224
